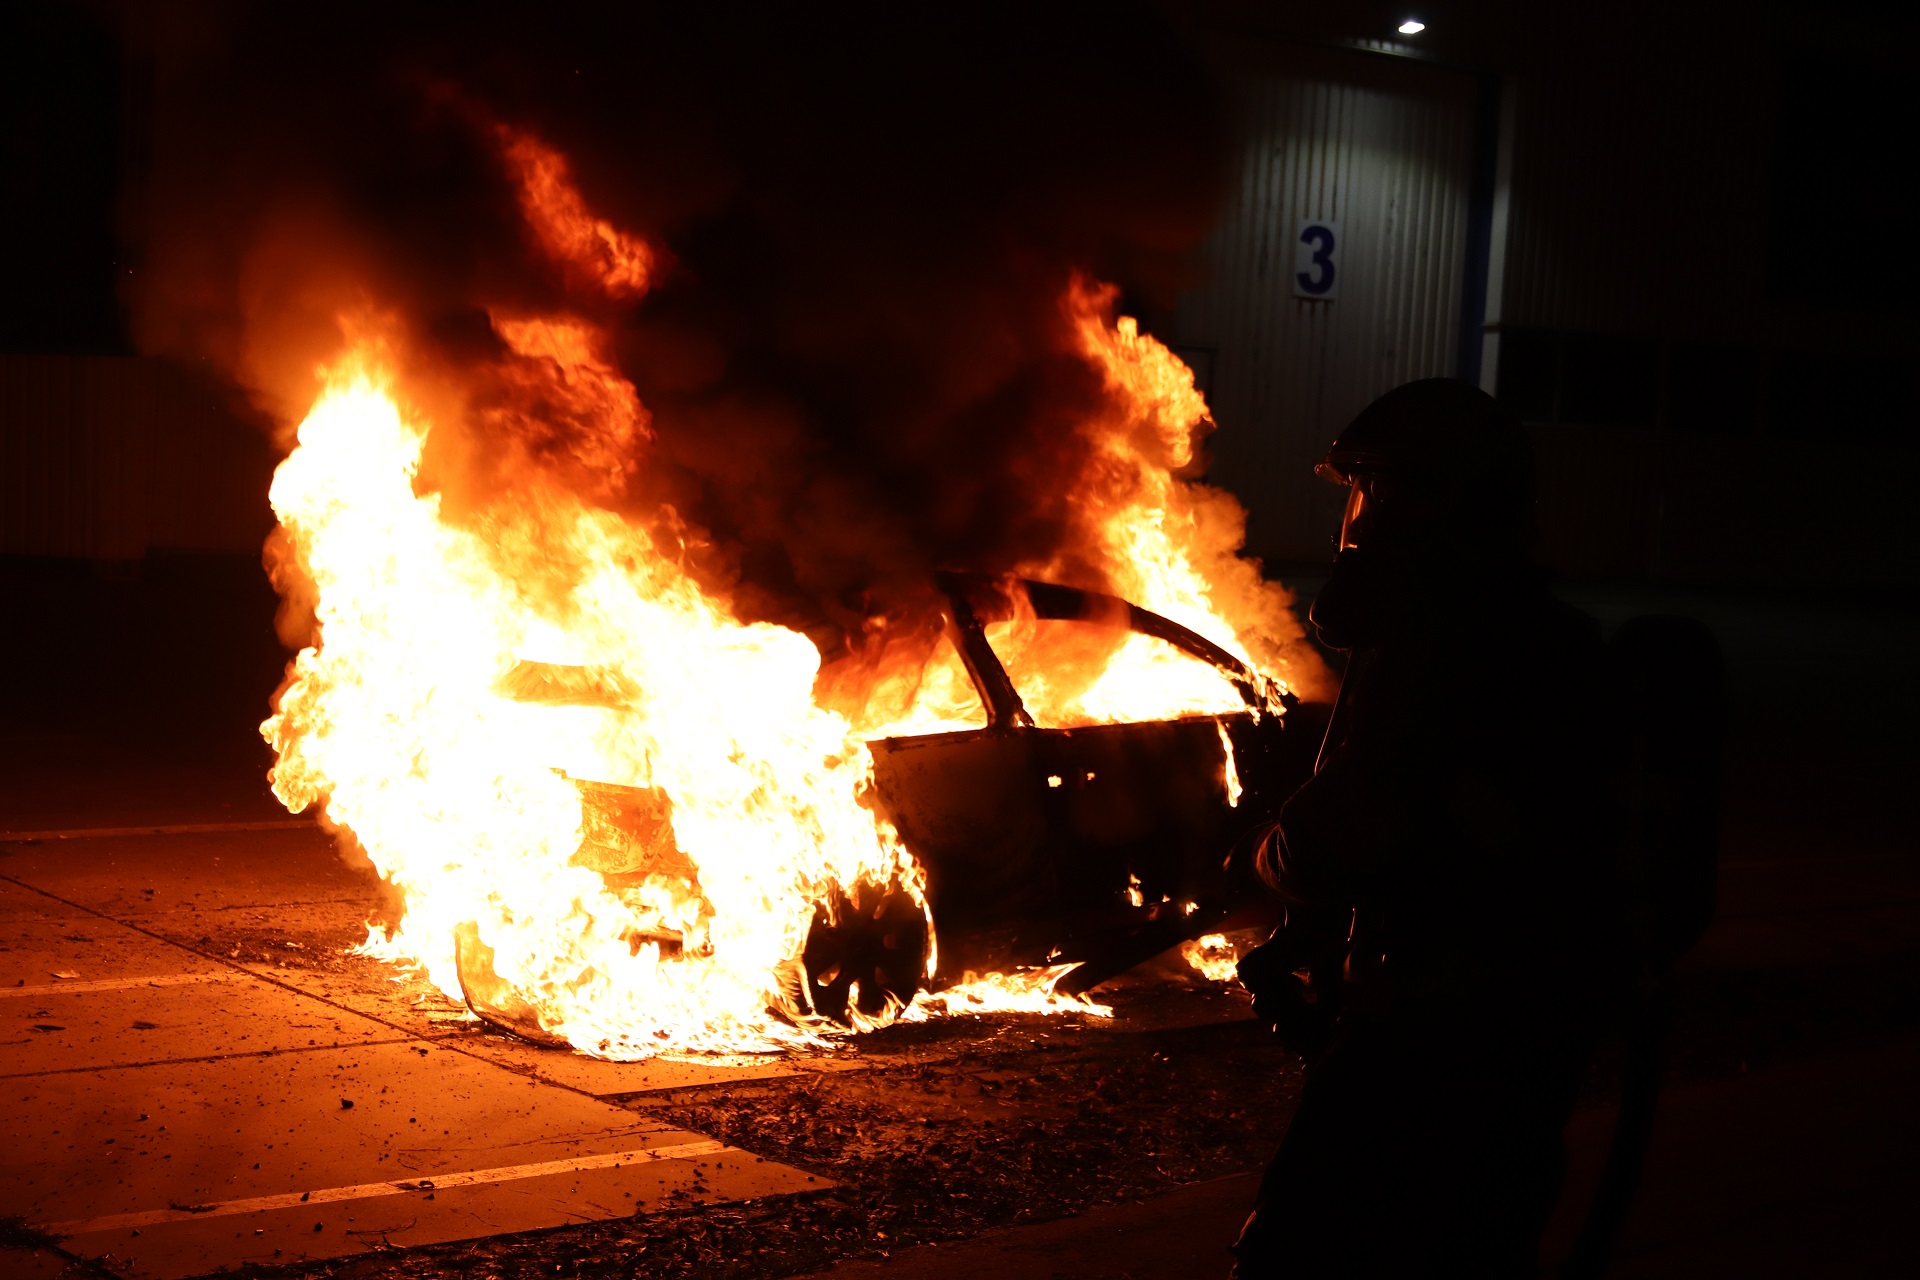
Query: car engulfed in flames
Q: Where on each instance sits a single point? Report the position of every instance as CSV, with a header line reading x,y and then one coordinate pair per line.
x,y
624,809
1073,853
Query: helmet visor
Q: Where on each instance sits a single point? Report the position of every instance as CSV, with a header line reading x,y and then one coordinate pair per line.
x,y
1359,519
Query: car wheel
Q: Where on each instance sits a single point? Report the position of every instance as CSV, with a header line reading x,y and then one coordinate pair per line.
x,y
866,952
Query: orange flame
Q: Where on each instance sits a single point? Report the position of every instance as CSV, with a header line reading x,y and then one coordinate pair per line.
x,y
1230,768
1214,956
452,788
1166,543
563,403
1151,537
1027,992
591,249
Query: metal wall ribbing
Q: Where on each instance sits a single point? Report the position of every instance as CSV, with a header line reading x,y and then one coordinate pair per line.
x,y
1387,153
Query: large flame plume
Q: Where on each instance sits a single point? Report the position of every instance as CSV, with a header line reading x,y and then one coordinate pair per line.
x,y
401,720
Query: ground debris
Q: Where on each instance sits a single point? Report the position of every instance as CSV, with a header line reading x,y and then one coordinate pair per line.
x,y
958,1128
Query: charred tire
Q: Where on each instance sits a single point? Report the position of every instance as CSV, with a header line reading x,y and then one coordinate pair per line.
x,y
875,940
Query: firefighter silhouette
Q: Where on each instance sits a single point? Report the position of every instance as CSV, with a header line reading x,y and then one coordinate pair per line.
x,y
1495,859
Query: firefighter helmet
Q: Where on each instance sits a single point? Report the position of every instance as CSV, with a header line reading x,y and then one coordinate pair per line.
x,y
1437,462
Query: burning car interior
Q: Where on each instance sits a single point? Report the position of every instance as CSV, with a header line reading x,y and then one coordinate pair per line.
x,y
1087,845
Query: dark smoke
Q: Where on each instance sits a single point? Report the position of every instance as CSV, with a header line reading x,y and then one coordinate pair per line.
x,y
856,364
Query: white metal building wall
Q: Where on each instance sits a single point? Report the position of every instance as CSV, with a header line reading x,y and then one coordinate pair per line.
x,y
1387,152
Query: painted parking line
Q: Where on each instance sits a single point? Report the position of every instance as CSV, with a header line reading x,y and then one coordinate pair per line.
x,y
83,985
367,1191
178,829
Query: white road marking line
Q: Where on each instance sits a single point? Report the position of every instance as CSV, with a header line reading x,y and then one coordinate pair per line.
x,y
120,984
435,1182
101,1068
179,829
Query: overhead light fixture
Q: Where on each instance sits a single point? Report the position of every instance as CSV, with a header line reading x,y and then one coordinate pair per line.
x,y
1412,27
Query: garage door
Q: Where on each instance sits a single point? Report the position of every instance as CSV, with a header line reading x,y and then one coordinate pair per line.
x,y
1336,271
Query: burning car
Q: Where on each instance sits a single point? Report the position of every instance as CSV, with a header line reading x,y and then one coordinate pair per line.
x,y
597,750
1081,849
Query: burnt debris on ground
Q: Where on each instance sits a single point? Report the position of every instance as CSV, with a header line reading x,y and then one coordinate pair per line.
x,y
959,1126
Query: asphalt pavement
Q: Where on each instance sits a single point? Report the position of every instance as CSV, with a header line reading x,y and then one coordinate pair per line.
x,y
186,1100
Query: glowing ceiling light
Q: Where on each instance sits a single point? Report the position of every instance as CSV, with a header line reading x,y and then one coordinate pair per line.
x,y
1412,27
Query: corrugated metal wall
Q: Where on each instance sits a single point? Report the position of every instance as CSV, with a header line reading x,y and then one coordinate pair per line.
x,y
1387,151
1643,203
105,458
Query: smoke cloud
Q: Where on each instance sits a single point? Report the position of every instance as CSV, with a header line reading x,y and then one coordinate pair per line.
x,y
850,351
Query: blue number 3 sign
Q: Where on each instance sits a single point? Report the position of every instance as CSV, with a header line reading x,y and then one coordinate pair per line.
x,y
1316,259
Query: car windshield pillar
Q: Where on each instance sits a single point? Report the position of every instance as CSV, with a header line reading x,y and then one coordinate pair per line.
x,y
1005,710
974,599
